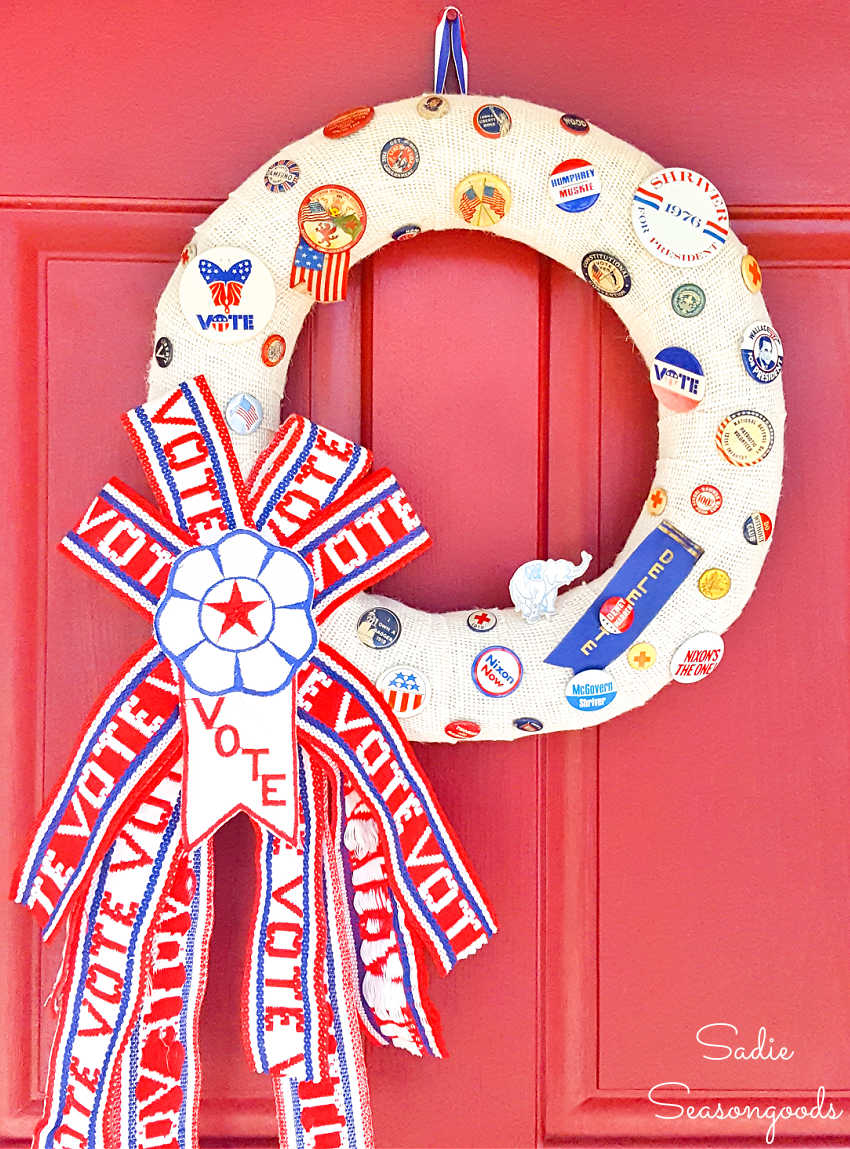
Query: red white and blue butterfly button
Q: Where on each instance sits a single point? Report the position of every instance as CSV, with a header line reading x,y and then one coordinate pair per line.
x,y
227,294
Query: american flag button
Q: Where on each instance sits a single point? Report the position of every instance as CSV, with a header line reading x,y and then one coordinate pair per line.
x,y
243,414
482,199
405,689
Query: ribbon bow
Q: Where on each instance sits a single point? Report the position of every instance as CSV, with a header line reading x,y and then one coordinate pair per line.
x,y
237,704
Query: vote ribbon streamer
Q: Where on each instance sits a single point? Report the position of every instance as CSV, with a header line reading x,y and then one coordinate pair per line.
x,y
238,704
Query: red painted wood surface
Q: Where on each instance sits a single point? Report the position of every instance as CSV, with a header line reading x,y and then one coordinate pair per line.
x,y
683,865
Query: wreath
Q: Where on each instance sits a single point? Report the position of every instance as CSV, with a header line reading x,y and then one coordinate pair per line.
x,y
275,682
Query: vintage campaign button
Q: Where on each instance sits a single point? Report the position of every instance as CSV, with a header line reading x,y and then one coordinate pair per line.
x,y
744,438
227,294
607,274
706,499
529,725
282,175
751,272
761,352
641,656
757,528
348,122
574,124
407,231
273,350
243,414
399,158
332,219
492,121
497,671
163,353
432,107
591,690
481,620
679,216
688,300
574,185
616,615
462,729
677,379
189,252
697,658
378,627
657,501
405,689
482,199
714,583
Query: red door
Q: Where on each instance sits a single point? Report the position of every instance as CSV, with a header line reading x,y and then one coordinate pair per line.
x,y
681,867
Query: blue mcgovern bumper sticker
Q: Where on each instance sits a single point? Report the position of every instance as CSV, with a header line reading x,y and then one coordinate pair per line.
x,y
646,580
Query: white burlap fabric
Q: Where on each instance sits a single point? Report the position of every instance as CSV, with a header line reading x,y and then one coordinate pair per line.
x,y
443,647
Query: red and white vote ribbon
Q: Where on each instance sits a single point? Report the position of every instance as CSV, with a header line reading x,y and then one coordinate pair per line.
x,y
239,705
450,43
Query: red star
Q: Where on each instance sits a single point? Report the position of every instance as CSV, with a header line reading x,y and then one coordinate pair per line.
x,y
235,611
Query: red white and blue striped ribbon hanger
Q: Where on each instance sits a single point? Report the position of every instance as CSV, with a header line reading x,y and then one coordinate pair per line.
x,y
450,43
353,885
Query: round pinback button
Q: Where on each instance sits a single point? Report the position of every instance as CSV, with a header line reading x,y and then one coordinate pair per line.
x,y
379,627
714,583
751,273
679,216
574,185
591,690
273,350
696,658
757,528
482,199
677,379
529,725
432,107
407,231
462,729
761,352
497,671
744,438
282,175
399,158
574,124
243,414
656,502
405,688
492,121
688,300
163,352
608,274
616,615
227,294
641,656
346,123
481,620
706,499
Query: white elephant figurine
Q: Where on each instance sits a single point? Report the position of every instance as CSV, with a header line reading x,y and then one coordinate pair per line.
x,y
534,586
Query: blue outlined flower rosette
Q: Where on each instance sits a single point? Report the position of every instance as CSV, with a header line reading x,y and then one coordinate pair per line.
x,y
236,615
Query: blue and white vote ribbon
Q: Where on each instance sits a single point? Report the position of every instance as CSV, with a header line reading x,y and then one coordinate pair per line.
x,y
450,42
646,580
